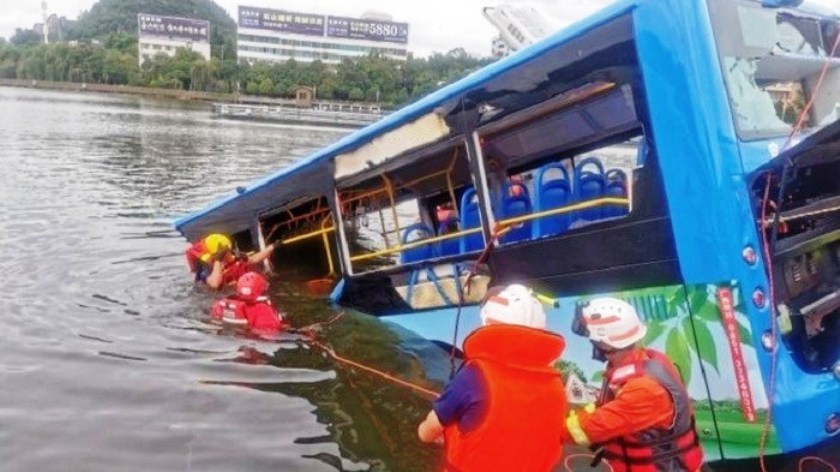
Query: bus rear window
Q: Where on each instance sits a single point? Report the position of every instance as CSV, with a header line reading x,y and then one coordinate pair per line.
x,y
771,61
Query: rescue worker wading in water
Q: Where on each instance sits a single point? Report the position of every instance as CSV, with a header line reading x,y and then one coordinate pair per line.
x,y
249,306
215,264
504,409
643,420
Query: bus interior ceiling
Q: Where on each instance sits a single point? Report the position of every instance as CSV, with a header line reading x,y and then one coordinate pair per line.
x,y
243,241
302,227
806,259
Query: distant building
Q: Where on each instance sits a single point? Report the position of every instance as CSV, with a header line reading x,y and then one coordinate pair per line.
x,y
500,48
518,27
578,392
278,35
165,34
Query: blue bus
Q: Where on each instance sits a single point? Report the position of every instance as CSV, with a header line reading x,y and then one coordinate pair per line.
x,y
683,155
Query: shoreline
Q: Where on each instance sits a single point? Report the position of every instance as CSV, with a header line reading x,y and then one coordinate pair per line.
x,y
174,94
182,95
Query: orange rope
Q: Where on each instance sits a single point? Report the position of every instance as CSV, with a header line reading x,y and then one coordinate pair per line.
x,y
817,460
331,352
585,456
765,430
308,332
817,87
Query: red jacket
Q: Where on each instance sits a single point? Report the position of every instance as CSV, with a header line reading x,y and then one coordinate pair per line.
x,y
644,418
259,314
522,427
198,256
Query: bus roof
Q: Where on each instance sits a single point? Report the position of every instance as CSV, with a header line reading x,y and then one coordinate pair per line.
x,y
236,212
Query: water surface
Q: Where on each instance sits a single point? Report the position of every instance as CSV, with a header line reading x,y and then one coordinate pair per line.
x,y
108,360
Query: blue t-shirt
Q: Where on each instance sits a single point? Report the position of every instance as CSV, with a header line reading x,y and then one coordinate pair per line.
x,y
203,272
463,400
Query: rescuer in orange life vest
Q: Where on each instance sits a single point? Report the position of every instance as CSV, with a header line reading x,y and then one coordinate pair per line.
x,y
215,263
504,409
249,306
643,420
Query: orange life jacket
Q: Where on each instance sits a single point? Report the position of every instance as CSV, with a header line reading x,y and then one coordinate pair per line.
x,y
522,426
674,449
259,314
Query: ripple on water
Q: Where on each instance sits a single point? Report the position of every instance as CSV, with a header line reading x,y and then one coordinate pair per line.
x,y
107,358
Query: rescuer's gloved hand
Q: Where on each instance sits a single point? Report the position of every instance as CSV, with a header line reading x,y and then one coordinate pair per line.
x,y
220,255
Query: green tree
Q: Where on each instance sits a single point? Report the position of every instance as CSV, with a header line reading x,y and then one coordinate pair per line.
x,y
109,17
24,37
266,86
355,94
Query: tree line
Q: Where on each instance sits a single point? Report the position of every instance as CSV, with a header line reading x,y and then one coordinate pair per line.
x,y
113,59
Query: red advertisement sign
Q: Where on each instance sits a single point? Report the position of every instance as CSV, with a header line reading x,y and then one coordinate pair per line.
x,y
730,327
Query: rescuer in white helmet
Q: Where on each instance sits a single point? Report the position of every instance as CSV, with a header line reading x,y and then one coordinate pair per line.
x,y
643,420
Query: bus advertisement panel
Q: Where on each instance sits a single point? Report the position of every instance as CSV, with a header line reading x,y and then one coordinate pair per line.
x,y
370,30
185,29
279,20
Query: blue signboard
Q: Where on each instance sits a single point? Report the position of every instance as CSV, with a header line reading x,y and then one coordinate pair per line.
x,y
279,20
371,30
185,29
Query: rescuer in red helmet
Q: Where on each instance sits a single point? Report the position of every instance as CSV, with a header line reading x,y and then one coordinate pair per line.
x,y
249,306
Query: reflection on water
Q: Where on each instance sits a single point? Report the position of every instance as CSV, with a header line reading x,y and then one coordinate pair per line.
x,y
107,357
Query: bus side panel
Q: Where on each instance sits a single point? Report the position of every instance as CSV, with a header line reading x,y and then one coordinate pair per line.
x,y
719,332
692,325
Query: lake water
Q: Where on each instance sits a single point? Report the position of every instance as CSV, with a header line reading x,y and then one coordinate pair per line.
x,y
108,360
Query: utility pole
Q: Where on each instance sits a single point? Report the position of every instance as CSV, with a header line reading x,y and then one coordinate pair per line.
x,y
45,27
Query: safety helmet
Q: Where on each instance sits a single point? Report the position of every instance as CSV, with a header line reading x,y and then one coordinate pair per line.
x,y
251,286
613,322
515,305
215,242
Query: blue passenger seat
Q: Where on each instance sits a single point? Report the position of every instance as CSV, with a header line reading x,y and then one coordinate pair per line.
x,y
413,233
448,247
552,193
617,188
470,218
516,205
589,184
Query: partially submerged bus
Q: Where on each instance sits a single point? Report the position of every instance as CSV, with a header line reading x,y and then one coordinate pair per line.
x,y
642,153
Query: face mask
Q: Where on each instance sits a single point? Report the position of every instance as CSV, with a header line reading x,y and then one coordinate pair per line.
x,y
598,354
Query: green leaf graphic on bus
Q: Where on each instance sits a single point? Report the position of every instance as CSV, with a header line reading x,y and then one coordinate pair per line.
x,y
676,348
654,331
706,348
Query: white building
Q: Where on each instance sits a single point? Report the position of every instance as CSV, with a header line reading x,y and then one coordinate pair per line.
x,y
277,35
518,25
166,34
500,48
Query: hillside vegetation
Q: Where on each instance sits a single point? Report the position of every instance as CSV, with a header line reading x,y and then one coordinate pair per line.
x,y
108,17
106,52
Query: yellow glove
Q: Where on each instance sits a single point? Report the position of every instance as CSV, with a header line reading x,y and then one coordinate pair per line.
x,y
573,421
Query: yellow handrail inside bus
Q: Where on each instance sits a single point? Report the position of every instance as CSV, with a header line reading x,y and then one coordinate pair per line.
x,y
565,209
415,244
327,246
503,223
312,234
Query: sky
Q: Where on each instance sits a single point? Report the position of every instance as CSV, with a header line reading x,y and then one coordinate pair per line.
x,y
434,25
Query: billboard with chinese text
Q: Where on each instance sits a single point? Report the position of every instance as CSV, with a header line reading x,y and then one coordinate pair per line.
x,y
185,29
279,20
370,30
